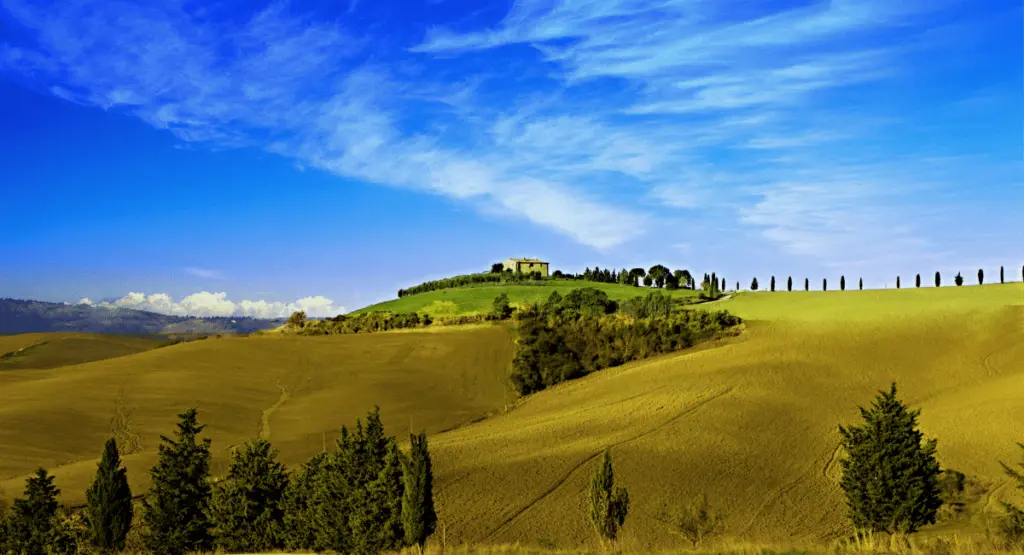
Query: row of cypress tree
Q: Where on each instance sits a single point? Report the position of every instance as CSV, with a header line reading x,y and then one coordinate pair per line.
x,y
959,280
366,497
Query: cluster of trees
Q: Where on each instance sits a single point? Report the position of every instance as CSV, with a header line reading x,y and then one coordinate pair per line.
x,y
507,276
367,322
565,338
658,275
366,497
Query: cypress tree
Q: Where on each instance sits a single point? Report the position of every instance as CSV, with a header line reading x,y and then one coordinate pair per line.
x,y
773,284
938,280
897,282
246,508
608,504
958,280
807,284
917,281
175,508
842,283
753,284
737,286
30,524
824,284
981,276
300,502
109,502
789,283
890,479
860,284
376,518
1002,275
418,517
723,284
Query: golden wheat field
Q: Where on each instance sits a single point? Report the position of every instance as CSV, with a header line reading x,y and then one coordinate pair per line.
x,y
751,421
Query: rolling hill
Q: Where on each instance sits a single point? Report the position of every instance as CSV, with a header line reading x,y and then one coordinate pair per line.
x,y
52,350
751,421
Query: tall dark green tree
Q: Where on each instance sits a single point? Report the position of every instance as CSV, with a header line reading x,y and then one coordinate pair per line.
x,y
609,505
842,283
753,284
891,479
376,519
917,281
938,279
418,517
981,276
958,280
773,284
109,502
897,282
824,284
300,502
807,284
30,524
789,283
1002,275
246,508
860,284
175,510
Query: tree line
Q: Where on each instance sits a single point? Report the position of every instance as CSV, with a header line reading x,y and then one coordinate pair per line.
x,y
364,497
958,280
367,322
564,338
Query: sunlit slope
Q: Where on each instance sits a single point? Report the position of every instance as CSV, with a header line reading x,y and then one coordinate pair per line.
x,y
753,423
55,349
295,391
478,299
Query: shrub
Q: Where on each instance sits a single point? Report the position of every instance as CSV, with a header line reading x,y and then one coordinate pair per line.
x,y
890,479
1011,526
500,309
297,319
70,533
696,521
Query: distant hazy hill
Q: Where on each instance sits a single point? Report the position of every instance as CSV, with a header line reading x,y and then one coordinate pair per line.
x,y
20,316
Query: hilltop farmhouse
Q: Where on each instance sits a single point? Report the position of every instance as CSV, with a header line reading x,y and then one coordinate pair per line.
x,y
527,265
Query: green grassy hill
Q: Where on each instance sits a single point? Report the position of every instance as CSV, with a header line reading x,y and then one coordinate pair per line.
x,y
477,299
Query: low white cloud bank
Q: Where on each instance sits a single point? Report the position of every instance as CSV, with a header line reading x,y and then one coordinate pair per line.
x,y
217,304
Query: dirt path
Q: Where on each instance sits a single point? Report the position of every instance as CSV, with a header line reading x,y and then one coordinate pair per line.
x,y
265,417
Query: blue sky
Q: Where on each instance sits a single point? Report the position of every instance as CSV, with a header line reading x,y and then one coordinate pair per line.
x,y
253,158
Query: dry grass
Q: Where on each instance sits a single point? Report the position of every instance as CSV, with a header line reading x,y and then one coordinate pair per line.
x,y
59,418
751,421
55,349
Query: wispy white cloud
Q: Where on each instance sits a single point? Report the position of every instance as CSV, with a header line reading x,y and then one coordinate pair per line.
x,y
217,304
638,108
204,273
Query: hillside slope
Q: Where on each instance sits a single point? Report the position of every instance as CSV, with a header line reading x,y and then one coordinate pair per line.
x,y
477,299
753,423
52,350
295,391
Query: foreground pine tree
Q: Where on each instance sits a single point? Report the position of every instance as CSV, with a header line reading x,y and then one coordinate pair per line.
x,y
608,504
174,511
299,502
30,524
246,508
109,502
890,479
418,517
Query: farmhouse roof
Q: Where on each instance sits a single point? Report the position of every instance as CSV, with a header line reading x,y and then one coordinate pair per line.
x,y
527,260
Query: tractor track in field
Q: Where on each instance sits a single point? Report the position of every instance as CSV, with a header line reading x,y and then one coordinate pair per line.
x,y
264,429
565,477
